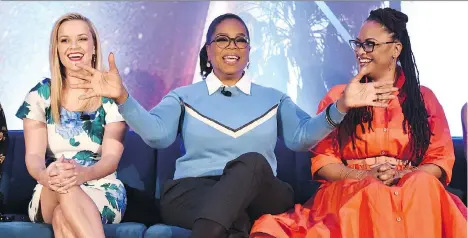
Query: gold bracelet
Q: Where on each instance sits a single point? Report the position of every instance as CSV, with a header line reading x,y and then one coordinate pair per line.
x,y
341,172
348,173
361,174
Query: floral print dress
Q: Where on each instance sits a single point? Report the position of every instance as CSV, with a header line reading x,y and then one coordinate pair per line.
x,y
79,138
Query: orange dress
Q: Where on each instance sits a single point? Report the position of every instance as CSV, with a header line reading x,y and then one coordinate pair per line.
x,y
418,206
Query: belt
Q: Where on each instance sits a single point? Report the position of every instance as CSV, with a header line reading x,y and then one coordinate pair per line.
x,y
372,161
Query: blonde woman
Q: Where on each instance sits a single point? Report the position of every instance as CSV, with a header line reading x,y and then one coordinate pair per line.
x,y
73,146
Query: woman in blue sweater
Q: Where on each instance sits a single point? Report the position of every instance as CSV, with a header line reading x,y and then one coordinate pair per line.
x,y
229,126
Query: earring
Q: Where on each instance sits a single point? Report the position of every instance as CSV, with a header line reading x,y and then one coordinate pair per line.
x,y
93,61
208,65
248,64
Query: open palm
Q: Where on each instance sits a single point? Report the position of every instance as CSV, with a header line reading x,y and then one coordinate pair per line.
x,y
357,94
100,83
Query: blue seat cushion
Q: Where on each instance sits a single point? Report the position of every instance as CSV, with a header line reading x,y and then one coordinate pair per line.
x,y
166,160
15,175
137,170
25,230
166,231
40,230
124,230
459,181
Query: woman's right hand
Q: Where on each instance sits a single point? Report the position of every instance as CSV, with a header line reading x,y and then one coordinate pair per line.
x,y
100,83
56,175
45,178
382,171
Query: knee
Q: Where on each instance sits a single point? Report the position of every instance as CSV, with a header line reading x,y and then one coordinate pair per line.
x,y
372,181
207,228
254,161
420,177
70,194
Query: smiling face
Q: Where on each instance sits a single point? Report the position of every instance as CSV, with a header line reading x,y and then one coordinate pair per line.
x,y
384,53
75,44
229,62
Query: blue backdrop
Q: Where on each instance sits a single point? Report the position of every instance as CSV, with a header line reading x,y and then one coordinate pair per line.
x,y
298,47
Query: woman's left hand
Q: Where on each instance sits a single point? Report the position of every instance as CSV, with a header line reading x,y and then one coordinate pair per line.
x,y
357,94
395,178
79,177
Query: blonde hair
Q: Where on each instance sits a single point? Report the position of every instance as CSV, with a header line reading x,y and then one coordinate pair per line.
x,y
57,70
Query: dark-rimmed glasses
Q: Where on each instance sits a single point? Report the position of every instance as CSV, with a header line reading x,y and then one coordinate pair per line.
x,y
223,42
367,46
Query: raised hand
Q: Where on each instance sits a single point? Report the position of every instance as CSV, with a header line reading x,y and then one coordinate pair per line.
x,y
357,94
100,83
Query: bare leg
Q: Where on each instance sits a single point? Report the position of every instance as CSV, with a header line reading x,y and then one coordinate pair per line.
x,y
48,203
56,226
81,213
61,227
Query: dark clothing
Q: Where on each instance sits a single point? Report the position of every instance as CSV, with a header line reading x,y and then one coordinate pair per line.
x,y
246,190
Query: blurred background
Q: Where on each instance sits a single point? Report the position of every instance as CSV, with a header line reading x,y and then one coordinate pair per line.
x,y
298,47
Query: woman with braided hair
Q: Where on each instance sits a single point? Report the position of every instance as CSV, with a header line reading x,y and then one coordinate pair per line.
x,y
383,169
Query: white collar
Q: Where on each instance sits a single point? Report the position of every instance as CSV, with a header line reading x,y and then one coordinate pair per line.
x,y
213,83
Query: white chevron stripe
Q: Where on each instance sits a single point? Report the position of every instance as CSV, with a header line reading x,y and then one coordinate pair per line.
x,y
228,132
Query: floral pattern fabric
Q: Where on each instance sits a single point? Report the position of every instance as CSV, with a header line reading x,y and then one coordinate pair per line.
x,y
77,137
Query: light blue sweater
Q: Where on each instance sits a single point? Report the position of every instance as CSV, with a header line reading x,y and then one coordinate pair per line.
x,y
217,129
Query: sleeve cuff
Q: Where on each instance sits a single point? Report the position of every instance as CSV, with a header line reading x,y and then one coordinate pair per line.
x,y
443,166
128,107
320,161
336,115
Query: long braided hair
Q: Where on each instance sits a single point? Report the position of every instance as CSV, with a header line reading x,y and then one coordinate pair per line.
x,y
204,69
414,110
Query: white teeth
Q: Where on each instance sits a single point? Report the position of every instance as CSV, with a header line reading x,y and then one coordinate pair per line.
x,y
75,55
231,57
364,60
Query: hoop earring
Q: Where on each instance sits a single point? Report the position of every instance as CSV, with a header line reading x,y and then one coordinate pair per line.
x,y
208,65
93,61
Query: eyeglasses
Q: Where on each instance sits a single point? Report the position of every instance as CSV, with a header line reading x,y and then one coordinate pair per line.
x,y
367,46
223,42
